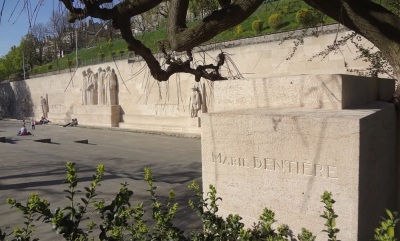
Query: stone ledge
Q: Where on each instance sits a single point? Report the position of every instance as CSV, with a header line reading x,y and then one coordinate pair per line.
x,y
306,91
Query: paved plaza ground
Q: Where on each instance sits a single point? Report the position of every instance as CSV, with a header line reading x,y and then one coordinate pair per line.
x,y
28,166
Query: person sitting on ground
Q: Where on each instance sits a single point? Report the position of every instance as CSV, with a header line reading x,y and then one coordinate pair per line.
x,y
23,131
74,122
43,120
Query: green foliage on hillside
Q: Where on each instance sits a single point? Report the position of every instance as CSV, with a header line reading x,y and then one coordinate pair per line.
x,y
286,9
257,26
275,21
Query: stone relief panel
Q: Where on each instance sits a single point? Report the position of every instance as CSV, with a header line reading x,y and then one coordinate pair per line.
x,y
100,88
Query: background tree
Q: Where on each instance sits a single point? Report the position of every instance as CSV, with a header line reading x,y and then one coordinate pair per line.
x,y
38,31
12,63
200,8
152,19
3,74
57,29
28,50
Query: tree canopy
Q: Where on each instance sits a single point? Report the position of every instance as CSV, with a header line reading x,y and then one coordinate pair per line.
x,y
377,22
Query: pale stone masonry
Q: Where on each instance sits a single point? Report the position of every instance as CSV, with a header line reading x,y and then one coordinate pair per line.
x,y
151,106
281,142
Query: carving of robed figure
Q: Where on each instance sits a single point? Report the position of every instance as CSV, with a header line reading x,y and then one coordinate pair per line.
x,y
84,88
101,86
43,103
111,87
91,88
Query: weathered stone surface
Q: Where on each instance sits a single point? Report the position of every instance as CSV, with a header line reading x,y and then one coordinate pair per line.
x,y
285,158
98,115
306,91
142,96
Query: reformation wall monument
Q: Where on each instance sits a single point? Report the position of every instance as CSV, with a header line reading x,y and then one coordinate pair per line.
x,y
278,137
141,103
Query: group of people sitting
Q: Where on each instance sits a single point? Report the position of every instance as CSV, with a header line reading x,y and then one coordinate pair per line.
x,y
44,120
74,122
23,131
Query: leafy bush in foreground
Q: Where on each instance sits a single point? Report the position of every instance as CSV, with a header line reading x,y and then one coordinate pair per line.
x,y
121,221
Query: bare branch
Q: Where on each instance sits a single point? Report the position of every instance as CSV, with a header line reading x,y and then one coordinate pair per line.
x,y
369,19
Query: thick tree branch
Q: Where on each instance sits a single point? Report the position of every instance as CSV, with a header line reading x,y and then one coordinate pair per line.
x,y
177,15
215,23
224,3
175,66
122,12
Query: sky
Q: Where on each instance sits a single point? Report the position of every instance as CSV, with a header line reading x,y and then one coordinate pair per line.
x,y
15,25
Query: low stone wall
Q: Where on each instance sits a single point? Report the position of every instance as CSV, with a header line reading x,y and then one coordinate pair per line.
x,y
146,104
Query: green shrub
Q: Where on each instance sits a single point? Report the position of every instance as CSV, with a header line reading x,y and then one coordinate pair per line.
x,y
112,53
239,29
50,67
309,17
386,230
286,10
119,220
101,55
275,21
77,60
257,26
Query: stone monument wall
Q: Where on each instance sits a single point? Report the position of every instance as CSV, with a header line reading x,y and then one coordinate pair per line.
x,y
146,104
280,142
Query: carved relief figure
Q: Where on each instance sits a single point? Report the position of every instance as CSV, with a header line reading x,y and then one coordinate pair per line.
x,y
84,88
91,87
111,87
100,86
195,102
43,103
106,86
